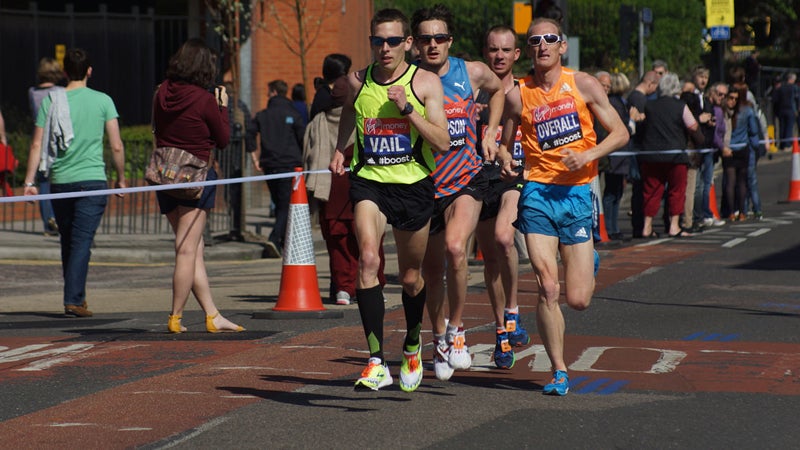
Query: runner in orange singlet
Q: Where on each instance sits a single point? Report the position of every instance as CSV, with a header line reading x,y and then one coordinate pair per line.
x,y
554,108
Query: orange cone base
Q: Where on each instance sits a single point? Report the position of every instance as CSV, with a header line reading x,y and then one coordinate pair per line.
x,y
299,296
712,202
794,192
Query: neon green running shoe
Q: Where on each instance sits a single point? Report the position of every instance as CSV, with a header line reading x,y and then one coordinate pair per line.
x,y
375,376
411,370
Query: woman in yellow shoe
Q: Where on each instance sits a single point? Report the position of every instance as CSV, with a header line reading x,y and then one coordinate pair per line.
x,y
187,115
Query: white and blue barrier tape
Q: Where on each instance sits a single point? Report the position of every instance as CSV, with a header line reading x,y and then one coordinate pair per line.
x,y
164,187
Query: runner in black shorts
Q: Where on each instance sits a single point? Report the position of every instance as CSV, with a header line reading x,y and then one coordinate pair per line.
x,y
397,112
495,232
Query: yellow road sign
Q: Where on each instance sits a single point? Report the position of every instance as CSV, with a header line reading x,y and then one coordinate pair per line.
x,y
719,13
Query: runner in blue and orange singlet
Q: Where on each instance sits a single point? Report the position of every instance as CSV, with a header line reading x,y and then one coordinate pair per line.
x,y
460,185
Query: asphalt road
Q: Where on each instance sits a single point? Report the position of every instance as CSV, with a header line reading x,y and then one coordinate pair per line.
x,y
688,343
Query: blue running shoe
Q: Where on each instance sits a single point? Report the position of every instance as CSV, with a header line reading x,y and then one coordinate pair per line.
x,y
516,334
596,262
504,357
559,385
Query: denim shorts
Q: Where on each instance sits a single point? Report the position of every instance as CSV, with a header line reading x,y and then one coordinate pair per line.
x,y
556,210
167,203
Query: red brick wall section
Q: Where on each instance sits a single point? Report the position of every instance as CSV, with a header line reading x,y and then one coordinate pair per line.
x,y
340,26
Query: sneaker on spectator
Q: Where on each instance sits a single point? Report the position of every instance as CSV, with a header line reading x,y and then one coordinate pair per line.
x,y
504,357
559,385
342,298
458,356
81,310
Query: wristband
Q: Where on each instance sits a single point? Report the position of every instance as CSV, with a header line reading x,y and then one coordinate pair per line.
x,y
30,184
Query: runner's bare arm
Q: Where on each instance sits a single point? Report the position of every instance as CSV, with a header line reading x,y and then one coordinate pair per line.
x,y
482,78
428,87
595,97
511,119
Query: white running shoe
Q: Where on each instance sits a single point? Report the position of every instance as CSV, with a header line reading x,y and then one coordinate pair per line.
x,y
441,368
411,370
458,357
342,298
374,376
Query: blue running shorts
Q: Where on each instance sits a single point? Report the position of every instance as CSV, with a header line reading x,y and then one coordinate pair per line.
x,y
556,210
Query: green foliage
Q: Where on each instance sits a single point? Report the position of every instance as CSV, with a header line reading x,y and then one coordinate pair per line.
x,y
137,140
676,35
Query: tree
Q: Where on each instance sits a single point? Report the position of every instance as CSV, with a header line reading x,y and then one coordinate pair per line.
x,y
299,30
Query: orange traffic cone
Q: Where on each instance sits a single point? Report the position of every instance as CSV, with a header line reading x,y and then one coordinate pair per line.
x,y
299,296
712,202
794,185
601,220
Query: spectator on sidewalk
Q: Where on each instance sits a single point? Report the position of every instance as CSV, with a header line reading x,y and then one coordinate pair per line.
x,y
280,151
188,116
49,75
333,194
299,101
68,136
616,168
667,128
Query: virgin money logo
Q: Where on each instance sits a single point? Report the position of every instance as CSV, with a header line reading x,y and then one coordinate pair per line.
x,y
385,126
372,125
545,112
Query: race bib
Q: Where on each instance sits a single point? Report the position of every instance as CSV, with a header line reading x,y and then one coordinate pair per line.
x,y
387,141
516,153
557,124
457,123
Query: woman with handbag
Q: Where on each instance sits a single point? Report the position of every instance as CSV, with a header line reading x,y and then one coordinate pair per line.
x,y
190,114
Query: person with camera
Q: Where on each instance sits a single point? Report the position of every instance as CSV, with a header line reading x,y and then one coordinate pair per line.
x,y
191,114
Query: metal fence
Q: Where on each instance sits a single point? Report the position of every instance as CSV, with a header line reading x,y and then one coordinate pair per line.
x,y
138,213
129,53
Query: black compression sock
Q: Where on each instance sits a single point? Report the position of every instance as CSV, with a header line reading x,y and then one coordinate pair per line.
x,y
415,309
372,309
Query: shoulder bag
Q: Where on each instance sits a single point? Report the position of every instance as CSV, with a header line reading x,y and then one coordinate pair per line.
x,y
170,165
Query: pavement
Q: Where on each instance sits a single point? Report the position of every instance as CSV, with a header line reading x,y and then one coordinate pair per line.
x,y
143,248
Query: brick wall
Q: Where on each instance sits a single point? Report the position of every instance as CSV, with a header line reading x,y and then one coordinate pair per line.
x,y
335,26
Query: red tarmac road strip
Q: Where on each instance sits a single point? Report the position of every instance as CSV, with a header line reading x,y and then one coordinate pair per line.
x,y
183,385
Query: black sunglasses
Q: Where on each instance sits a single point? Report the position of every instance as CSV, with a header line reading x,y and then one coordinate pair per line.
x,y
536,39
393,41
440,38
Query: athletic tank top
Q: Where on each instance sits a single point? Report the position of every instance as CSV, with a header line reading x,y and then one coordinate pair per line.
x,y
456,167
388,148
553,121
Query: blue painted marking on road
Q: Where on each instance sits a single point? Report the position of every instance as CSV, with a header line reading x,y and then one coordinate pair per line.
x,y
613,387
694,336
575,382
711,337
729,337
593,385
780,305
